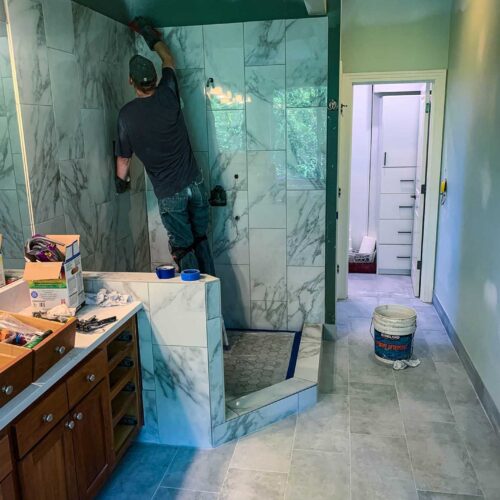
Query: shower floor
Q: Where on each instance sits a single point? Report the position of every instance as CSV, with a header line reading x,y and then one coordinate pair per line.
x,y
256,360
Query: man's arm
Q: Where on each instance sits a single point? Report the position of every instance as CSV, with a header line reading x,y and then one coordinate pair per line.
x,y
122,167
167,59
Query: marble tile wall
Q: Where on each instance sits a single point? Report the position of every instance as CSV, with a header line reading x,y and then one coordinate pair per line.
x,y
259,130
72,78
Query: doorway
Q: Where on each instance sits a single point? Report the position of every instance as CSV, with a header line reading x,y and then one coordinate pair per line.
x,y
389,171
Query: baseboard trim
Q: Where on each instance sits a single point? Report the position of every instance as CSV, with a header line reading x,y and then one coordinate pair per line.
x,y
487,401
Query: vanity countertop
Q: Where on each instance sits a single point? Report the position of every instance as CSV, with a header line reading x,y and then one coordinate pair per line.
x,y
85,343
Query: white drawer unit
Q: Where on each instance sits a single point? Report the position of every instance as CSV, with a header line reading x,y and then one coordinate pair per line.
x,y
395,232
396,206
398,180
394,259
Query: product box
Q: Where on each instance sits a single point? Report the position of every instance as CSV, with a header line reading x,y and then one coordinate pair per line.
x,y
2,272
55,283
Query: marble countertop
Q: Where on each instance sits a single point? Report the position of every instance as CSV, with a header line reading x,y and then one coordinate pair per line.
x,y
145,277
85,343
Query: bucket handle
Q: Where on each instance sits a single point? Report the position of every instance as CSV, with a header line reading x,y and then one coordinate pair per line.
x,y
372,333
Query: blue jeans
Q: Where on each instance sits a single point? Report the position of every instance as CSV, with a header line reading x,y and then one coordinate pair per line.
x,y
185,217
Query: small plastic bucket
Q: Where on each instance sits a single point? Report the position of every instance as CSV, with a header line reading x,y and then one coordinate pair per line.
x,y
394,328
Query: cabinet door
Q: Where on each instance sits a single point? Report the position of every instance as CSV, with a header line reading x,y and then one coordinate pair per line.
x,y
92,440
48,471
7,488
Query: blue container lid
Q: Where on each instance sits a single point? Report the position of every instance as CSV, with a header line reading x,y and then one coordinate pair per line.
x,y
165,272
190,275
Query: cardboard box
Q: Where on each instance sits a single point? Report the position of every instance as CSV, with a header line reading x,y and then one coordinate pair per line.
x,y
2,272
55,283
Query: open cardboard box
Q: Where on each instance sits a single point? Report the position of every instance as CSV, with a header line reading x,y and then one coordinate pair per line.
x,y
54,283
52,348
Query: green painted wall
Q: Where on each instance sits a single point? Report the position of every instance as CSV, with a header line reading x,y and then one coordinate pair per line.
x,y
194,12
468,257
394,35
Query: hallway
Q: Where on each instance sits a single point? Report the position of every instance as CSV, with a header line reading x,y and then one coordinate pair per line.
x,y
420,434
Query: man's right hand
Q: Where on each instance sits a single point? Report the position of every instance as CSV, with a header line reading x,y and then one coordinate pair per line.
x,y
121,185
144,27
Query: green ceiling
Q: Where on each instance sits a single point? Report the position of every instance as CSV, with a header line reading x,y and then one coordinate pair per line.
x,y
192,12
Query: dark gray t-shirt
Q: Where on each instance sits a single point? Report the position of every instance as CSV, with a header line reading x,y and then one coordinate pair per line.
x,y
154,129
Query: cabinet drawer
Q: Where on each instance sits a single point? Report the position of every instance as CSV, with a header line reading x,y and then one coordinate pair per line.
x,y
16,371
86,377
393,258
5,458
396,206
398,180
40,419
395,232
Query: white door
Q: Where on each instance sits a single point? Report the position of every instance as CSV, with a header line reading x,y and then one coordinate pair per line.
x,y
418,219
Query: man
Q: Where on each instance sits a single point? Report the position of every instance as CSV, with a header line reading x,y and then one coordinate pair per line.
x,y
152,126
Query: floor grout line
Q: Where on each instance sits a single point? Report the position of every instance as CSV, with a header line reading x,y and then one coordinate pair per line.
x,y
166,470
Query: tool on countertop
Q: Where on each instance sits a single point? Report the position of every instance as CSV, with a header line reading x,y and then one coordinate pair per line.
x,y
92,324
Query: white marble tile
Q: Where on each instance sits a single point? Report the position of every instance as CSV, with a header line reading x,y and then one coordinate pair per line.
x,y
265,107
58,19
158,235
182,395
224,63
137,218
10,105
178,314
213,299
306,228
216,371
28,39
186,45
227,149
105,244
268,315
57,225
235,289
149,433
230,230
268,264
10,224
307,62
307,366
312,333
7,174
267,189
306,148
306,296
41,155
66,95
264,42
5,68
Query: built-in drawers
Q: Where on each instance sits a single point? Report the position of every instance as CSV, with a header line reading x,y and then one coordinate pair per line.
x,y
396,206
395,232
394,258
398,180
5,458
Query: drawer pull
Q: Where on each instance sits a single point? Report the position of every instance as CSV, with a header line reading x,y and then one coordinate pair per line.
x,y
404,232
8,390
90,378
405,206
401,257
60,350
406,180
47,418
70,425
78,416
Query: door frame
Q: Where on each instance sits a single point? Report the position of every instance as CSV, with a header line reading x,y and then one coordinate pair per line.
x,y
433,175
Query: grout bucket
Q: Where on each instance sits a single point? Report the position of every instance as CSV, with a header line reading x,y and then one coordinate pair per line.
x,y
394,328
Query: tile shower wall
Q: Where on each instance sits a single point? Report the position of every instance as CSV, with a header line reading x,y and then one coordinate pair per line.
x,y
260,131
13,202
72,74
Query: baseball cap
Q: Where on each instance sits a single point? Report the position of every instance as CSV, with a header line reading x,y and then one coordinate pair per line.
x,y
142,70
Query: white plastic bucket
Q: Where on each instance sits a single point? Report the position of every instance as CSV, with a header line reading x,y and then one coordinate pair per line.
x,y
394,328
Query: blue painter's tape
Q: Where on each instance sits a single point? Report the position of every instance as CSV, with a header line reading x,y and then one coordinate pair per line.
x,y
165,272
190,275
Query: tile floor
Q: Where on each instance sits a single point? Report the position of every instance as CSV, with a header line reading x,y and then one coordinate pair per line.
x,y
375,434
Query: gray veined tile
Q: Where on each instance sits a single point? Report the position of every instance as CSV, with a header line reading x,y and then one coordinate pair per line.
x,y
180,494
58,19
267,189
306,62
105,243
186,44
307,365
224,63
432,495
7,174
253,485
306,228
265,106
306,148
158,235
334,369
5,68
268,315
216,371
264,42
381,468
440,459
149,433
10,222
227,149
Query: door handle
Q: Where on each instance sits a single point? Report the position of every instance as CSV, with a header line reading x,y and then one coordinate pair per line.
x,y
405,206
402,257
385,158
414,196
404,232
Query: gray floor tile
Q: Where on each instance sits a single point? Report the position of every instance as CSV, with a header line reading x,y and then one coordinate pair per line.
x,y
334,369
253,485
431,495
374,409
456,384
139,473
363,367
440,346
360,307
267,450
440,459
175,494
325,426
421,395
359,333
199,470
428,319
381,469
318,475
